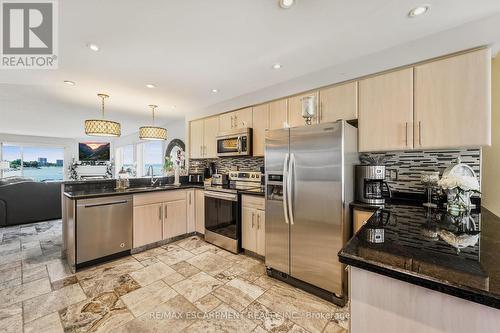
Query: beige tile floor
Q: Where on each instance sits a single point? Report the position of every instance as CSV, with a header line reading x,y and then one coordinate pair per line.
x,y
186,286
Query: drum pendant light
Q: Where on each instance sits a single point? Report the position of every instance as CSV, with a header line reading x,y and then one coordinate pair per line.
x,y
152,132
102,127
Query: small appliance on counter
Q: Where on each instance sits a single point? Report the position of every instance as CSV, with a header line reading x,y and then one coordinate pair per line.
x,y
219,179
210,170
196,178
370,181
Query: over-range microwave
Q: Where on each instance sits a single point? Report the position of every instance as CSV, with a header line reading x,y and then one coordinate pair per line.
x,y
235,143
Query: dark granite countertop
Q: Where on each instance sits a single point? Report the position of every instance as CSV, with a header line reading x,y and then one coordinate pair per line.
x,y
459,256
106,192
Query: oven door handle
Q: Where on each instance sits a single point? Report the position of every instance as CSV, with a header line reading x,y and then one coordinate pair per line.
x,y
220,195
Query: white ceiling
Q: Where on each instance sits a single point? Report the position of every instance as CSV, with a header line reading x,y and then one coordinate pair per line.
x,y
189,47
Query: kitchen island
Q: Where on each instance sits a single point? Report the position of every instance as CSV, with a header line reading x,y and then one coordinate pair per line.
x,y
102,223
414,269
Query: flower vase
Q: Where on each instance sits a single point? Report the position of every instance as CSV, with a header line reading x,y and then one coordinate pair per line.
x,y
177,177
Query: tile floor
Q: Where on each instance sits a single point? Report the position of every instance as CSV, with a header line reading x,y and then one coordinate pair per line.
x,y
186,286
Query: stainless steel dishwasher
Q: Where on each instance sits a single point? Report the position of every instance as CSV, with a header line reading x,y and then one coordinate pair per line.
x,y
103,227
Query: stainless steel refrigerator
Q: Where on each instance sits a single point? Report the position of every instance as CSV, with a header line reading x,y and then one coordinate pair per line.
x,y
309,185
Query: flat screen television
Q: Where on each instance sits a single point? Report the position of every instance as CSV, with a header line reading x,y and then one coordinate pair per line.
x,y
94,151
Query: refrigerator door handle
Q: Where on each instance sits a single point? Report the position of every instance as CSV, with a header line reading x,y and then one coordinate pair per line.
x,y
291,169
285,187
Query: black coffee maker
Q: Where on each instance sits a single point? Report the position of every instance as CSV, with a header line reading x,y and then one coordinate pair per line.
x,y
210,170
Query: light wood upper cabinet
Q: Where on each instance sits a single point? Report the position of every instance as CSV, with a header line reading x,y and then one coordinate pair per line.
x,y
453,101
278,114
386,112
295,109
147,226
226,121
260,124
235,120
174,219
199,211
211,130
196,138
338,102
244,118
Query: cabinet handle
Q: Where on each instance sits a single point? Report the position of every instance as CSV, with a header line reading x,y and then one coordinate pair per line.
x,y
420,133
253,220
320,111
258,221
189,198
159,213
235,121
406,133
166,212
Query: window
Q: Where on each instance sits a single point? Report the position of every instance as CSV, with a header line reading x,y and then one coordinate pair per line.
x,y
152,156
125,159
38,163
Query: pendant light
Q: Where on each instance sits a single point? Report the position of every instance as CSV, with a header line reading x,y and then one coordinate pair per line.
x,y
102,127
152,132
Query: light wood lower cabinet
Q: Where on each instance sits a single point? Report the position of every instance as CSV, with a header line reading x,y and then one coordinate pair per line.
x,y
191,211
174,219
199,211
253,224
359,218
148,224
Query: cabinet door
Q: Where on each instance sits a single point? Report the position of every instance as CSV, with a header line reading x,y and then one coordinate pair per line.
x,y
196,136
191,214
244,118
278,114
147,224
338,102
200,211
174,219
261,233
386,112
211,130
227,121
248,234
260,125
453,101
359,218
295,109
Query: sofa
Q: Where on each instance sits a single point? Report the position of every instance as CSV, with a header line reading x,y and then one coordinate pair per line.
x,y
26,201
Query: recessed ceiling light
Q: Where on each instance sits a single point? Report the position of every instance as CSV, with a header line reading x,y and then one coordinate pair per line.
x,y
93,47
69,83
286,3
420,10
277,66
215,91
150,85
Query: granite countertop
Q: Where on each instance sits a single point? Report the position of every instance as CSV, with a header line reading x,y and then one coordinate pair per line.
x,y
105,192
431,248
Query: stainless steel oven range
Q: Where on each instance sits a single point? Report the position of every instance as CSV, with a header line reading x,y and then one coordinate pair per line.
x,y
223,209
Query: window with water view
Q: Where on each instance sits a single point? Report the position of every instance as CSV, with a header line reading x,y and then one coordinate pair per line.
x,y
37,163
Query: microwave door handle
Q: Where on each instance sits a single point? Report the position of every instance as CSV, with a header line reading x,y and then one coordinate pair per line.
x,y
291,169
285,189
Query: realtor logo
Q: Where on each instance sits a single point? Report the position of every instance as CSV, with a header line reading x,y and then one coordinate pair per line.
x,y
29,39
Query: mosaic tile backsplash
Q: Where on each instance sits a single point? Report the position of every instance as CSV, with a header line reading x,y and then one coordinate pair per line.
x,y
408,165
224,164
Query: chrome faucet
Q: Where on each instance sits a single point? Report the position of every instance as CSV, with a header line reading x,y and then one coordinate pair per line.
x,y
151,173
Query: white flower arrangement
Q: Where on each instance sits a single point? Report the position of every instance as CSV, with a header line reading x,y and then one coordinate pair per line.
x,y
464,183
